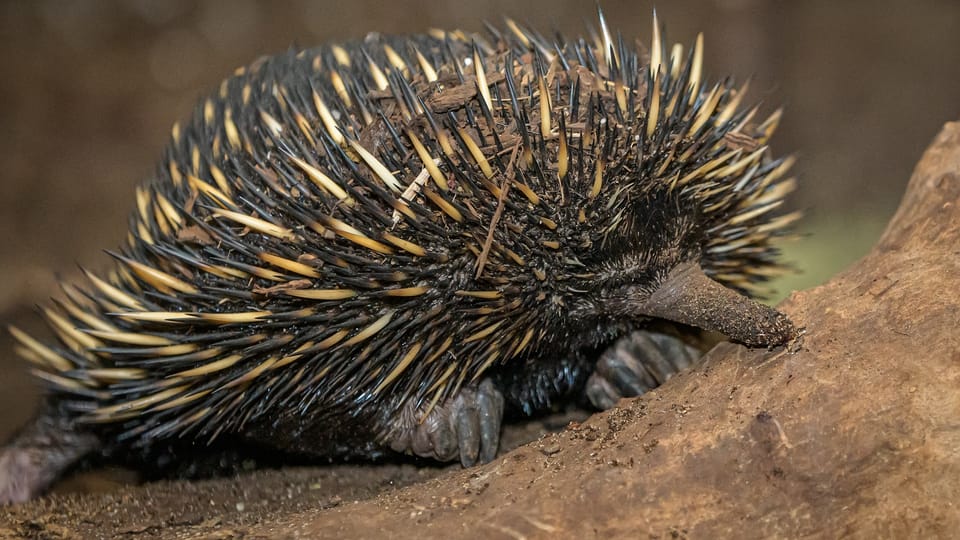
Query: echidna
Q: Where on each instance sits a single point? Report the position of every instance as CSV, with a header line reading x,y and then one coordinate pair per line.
x,y
381,246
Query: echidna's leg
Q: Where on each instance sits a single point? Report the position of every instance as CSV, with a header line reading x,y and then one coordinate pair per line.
x,y
537,387
39,454
466,426
635,364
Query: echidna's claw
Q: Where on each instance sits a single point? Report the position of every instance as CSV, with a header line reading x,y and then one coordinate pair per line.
x,y
636,364
491,415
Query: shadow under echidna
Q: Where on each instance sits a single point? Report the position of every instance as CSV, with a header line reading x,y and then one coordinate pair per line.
x,y
385,246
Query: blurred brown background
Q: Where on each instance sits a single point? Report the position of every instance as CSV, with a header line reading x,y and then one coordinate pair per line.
x,y
89,90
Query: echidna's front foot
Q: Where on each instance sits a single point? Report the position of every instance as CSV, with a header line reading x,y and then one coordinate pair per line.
x,y
467,425
636,364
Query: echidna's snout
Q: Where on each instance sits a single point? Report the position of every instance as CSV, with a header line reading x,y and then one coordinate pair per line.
x,y
688,296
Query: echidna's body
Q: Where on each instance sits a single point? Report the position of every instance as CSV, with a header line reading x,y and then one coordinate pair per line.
x,y
343,240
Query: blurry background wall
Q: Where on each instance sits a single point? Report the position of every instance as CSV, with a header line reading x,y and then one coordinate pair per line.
x,y
90,88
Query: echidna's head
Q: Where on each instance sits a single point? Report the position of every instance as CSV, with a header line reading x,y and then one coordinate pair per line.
x,y
649,255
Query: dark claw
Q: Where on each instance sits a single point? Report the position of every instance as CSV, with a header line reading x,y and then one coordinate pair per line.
x,y
468,434
637,364
490,401
628,379
601,393
442,444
